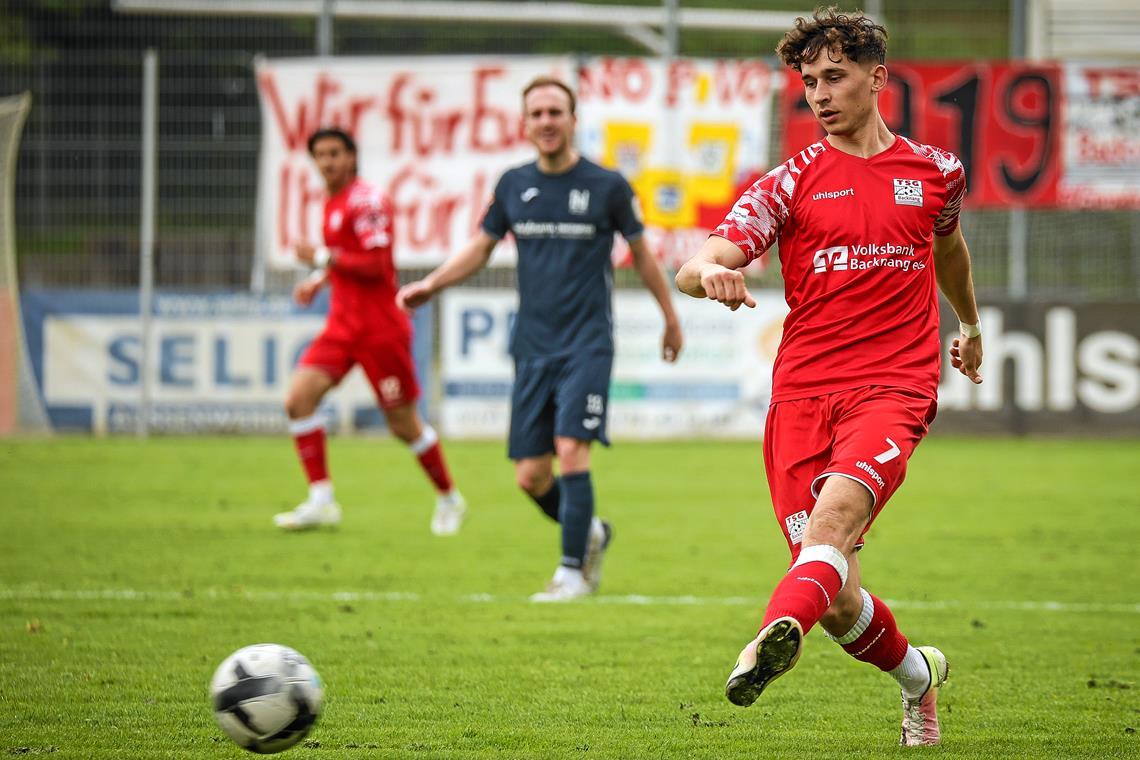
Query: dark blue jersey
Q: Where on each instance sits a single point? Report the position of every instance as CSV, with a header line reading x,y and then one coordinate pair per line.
x,y
564,227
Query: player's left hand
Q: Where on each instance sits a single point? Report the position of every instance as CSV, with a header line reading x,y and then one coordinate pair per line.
x,y
306,290
672,341
414,295
304,252
966,357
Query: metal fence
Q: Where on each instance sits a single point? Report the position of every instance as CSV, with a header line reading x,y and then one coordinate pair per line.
x,y
78,171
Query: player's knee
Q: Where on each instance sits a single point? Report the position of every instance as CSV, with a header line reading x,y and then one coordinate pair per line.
x,y
833,527
405,427
534,480
298,406
573,454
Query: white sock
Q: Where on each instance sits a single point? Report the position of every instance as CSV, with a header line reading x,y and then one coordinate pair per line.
x,y
321,492
427,439
861,623
913,674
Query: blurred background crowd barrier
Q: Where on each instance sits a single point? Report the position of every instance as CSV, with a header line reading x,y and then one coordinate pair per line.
x,y
1040,98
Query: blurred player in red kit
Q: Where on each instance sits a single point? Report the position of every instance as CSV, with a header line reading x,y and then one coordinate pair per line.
x,y
364,327
867,227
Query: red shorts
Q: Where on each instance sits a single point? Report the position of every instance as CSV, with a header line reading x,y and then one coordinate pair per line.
x,y
388,365
865,434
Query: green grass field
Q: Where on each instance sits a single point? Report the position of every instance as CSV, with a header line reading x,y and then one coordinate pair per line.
x,y
129,570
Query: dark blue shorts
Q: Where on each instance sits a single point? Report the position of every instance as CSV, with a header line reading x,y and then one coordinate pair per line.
x,y
567,397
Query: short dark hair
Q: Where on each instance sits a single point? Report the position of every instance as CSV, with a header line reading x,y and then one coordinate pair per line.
x,y
856,36
548,81
338,133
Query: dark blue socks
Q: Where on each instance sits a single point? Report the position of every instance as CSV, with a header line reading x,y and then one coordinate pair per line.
x,y
576,510
550,500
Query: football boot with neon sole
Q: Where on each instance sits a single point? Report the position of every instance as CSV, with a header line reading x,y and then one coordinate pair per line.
x,y
767,657
920,716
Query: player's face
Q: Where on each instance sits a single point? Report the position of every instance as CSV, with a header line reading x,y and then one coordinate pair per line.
x,y
336,163
841,92
548,121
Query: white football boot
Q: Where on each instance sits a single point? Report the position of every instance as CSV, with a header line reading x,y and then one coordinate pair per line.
x,y
566,585
920,716
308,515
450,510
601,533
767,657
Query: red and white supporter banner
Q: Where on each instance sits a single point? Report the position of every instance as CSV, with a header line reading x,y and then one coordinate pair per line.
x,y
438,132
1102,137
435,132
690,137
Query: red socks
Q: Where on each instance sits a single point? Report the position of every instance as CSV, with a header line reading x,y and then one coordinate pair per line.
x,y
309,436
875,637
430,455
809,587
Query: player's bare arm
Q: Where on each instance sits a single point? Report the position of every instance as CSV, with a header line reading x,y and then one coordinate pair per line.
x,y
306,290
305,253
456,269
952,270
654,279
714,274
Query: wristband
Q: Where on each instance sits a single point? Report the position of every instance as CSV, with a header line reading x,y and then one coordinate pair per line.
x,y
322,257
970,331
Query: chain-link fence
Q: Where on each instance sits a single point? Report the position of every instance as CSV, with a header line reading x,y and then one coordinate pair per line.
x,y
78,172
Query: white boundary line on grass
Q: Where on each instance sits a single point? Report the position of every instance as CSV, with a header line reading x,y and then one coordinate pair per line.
x,y
126,594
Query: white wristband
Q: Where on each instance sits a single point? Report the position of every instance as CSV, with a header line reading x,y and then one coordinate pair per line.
x,y
970,331
321,258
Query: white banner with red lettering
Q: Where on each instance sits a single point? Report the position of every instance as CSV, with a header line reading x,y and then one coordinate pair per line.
x,y
1101,137
435,132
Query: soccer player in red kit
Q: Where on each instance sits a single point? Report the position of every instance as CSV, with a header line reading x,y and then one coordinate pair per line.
x,y
364,327
867,226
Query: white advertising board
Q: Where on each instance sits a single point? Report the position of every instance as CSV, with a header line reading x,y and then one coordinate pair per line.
x,y
720,388
220,363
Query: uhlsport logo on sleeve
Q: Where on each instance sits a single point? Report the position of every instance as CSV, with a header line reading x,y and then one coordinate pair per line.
x,y
908,192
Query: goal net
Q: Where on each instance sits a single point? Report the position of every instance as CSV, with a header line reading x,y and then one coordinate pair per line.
x,y
21,408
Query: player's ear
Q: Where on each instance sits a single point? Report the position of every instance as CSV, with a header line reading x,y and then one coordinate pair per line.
x,y
879,77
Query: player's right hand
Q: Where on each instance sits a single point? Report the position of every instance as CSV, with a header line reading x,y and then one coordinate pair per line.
x,y
414,294
727,286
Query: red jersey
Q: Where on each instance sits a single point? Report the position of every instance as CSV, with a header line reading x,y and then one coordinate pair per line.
x,y
358,232
856,242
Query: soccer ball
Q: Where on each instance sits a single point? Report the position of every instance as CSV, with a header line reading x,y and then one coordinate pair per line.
x,y
266,697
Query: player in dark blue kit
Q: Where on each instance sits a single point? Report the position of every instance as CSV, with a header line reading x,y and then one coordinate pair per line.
x,y
563,211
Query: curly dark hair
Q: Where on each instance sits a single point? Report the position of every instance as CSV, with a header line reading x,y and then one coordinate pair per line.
x,y
856,36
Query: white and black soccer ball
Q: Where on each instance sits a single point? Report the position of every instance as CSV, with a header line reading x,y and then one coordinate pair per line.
x,y
266,697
